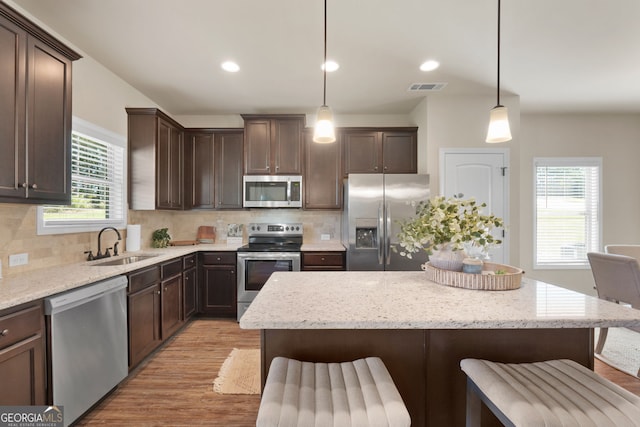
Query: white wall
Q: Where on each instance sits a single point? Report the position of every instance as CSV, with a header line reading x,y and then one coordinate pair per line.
x,y
615,138
461,121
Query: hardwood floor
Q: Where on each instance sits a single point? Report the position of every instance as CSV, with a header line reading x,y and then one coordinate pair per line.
x,y
175,386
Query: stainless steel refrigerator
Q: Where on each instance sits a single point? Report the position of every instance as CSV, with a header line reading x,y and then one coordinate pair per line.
x,y
374,203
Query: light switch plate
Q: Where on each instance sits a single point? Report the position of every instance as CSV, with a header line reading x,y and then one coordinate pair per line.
x,y
18,259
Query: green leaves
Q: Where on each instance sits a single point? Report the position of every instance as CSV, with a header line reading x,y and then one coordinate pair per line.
x,y
455,221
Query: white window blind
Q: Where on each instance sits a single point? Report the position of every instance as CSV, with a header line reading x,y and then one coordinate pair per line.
x,y
97,188
567,211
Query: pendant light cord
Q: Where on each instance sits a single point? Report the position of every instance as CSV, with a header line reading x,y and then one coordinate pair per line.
x,y
498,85
324,65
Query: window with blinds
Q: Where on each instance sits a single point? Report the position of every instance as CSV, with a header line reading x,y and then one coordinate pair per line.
x,y
97,187
566,211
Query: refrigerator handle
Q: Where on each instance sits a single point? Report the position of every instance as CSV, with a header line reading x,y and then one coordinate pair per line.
x,y
381,233
387,234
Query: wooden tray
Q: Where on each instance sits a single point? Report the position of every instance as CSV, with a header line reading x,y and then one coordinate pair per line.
x,y
487,281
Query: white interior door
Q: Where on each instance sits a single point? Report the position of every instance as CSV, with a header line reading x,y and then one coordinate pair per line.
x,y
482,174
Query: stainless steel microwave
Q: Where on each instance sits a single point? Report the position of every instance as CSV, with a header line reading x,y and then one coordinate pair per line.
x,y
272,191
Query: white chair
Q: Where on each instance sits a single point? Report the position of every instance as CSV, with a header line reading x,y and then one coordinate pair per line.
x,y
629,250
617,279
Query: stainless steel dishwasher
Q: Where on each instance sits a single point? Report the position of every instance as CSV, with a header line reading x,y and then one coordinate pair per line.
x,y
88,330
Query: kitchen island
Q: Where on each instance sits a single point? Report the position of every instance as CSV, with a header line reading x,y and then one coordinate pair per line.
x,y
422,330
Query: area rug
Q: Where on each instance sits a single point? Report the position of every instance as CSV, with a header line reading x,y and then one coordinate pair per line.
x,y
621,350
240,373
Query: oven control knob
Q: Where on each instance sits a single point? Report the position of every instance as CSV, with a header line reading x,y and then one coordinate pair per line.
x,y
287,228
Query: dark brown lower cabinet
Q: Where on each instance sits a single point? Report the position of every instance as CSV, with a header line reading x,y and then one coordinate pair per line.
x,y
217,283
189,286
22,359
144,314
171,301
324,261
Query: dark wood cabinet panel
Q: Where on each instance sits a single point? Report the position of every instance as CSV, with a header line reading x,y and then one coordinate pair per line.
x,y
22,359
155,145
189,293
199,170
171,302
213,169
144,323
362,152
322,174
257,147
35,103
273,144
399,152
169,181
217,283
228,169
392,150
323,261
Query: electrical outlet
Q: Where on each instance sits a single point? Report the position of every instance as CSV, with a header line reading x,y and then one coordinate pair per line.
x,y
325,237
18,259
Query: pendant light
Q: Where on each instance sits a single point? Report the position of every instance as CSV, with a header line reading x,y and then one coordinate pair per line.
x,y
498,117
324,131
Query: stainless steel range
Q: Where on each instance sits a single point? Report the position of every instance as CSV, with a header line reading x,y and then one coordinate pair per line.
x,y
271,248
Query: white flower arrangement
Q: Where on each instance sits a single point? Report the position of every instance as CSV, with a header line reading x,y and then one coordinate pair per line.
x,y
452,221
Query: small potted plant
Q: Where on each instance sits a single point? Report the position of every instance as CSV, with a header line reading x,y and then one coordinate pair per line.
x,y
444,228
160,238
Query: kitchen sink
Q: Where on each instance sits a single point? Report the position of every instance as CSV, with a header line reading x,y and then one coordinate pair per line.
x,y
122,260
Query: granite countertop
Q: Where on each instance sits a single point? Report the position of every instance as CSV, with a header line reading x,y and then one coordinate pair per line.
x,y
45,282
407,300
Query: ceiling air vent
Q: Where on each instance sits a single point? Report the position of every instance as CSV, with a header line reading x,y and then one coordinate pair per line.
x,y
426,87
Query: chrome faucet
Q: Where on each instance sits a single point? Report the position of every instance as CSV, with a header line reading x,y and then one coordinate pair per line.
x,y
106,252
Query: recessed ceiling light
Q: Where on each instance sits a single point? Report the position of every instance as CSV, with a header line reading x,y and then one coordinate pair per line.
x,y
331,66
429,65
230,66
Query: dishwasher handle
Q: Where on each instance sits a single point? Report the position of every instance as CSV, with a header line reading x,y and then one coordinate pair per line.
x,y
68,300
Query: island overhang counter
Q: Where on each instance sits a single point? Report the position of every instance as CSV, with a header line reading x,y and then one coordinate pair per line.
x,y
421,330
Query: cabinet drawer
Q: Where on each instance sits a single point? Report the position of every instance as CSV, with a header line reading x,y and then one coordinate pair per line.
x,y
188,261
219,258
20,325
324,259
143,278
171,268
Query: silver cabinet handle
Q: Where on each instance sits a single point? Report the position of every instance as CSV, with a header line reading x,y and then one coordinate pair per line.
x,y
33,186
4,332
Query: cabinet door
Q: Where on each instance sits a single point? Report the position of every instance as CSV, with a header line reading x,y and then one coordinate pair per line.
x,y
199,168
228,170
12,109
363,152
287,147
171,302
322,174
48,124
169,167
400,152
218,290
22,373
257,147
189,292
144,323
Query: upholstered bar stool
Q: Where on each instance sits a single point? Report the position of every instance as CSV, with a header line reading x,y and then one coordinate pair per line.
x,y
358,393
555,393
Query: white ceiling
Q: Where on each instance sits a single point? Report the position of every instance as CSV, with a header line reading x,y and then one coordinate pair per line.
x,y
557,55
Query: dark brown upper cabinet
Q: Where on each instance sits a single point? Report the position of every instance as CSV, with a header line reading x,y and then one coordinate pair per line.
x,y
35,106
393,150
213,168
322,173
155,144
273,144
